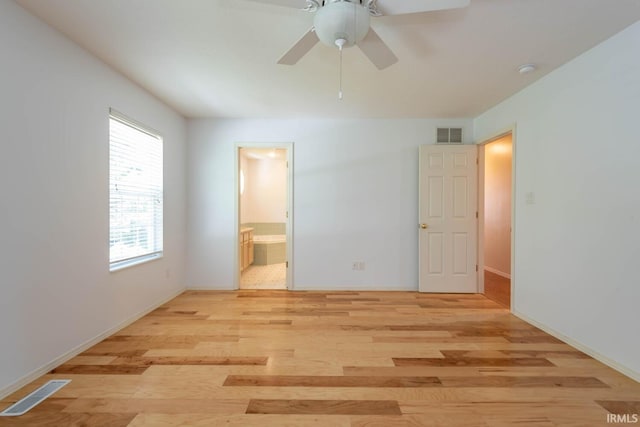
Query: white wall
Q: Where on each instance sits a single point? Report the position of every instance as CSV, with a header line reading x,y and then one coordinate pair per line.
x,y
265,193
244,195
56,291
355,199
578,246
497,206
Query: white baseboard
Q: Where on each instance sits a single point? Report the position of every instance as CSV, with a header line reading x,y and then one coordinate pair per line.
x,y
583,348
33,375
498,272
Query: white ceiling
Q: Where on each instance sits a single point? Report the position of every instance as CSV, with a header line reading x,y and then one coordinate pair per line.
x,y
217,58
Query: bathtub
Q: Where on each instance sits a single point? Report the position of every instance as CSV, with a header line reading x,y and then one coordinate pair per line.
x,y
269,249
273,238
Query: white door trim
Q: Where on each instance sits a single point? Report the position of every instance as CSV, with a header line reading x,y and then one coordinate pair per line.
x,y
288,146
481,267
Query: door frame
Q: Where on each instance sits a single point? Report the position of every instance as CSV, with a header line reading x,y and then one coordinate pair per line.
x,y
288,146
481,214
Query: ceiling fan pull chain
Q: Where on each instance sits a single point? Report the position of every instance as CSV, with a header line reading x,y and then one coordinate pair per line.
x,y
340,43
340,93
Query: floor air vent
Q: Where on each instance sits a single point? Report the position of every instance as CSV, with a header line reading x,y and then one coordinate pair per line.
x,y
449,136
28,402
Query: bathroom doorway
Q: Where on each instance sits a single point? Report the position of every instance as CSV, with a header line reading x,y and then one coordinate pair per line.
x,y
264,183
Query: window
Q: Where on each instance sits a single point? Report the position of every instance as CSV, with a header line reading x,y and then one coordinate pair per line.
x,y
135,193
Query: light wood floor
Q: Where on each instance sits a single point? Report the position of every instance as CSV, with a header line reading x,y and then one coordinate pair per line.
x,y
497,288
274,358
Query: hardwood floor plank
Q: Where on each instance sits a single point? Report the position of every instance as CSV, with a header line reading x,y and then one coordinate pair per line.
x,y
526,354
123,353
167,406
310,312
621,407
237,351
437,339
534,339
470,361
242,420
280,322
324,407
53,418
422,420
408,371
151,341
188,361
91,360
506,381
497,288
329,381
546,354
100,369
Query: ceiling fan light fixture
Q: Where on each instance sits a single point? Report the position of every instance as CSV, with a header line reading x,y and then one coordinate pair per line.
x,y
342,20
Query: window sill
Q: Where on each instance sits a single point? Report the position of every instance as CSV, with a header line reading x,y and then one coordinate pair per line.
x,y
120,265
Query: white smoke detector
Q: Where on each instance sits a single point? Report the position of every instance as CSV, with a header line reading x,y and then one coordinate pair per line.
x,y
526,68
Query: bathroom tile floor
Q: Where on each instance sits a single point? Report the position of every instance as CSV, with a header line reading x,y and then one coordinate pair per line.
x,y
273,276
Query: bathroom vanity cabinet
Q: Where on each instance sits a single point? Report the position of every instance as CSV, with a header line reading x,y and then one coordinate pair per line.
x,y
246,248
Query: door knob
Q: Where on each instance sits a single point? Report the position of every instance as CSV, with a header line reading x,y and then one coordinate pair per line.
x,y
424,226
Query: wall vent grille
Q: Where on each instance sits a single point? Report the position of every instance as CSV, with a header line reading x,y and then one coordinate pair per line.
x,y
449,136
25,404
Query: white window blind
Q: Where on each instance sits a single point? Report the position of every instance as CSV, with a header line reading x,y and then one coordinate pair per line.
x,y
135,193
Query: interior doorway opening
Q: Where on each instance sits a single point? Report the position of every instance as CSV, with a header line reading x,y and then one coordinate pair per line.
x,y
496,214
263,202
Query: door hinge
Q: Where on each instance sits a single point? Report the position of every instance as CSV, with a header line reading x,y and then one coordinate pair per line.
x,y
287,163
287,265
476,267
476,214
287,214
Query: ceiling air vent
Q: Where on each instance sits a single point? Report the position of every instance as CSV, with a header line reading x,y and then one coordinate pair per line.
x,y
449,136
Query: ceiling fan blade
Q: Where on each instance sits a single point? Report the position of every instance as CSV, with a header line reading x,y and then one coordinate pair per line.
x,y
377,51
395,7
300,49
298,4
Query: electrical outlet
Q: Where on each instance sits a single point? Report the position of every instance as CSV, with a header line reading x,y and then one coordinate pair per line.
x,y
358,265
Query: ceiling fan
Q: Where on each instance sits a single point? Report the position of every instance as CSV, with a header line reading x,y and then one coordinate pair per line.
x,y
346,23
